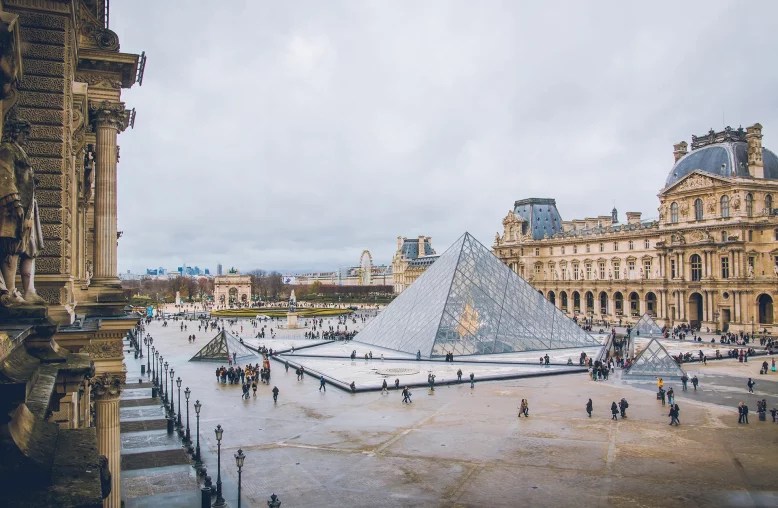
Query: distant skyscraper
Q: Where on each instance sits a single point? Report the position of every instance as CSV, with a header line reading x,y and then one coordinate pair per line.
x,y
207,271
219,269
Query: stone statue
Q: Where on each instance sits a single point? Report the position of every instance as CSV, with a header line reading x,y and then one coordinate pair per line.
x,y
750,271
21,236
775,270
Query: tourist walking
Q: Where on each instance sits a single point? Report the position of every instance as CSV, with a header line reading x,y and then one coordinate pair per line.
x,y
670,396
695,382
384,388
406,395
472,380
614,411
459,376
589,408
751,384
275,394
623,405
662,395
286,365
684,380
322,385
674,415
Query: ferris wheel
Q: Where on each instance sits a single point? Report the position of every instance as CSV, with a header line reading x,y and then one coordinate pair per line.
x,y
365,268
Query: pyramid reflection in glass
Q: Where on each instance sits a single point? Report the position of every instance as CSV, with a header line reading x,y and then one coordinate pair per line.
x,y
470,302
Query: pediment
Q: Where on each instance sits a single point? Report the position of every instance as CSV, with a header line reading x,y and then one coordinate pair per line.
x,y
695,180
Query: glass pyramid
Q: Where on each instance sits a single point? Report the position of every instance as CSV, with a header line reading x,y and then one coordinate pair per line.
x,y
655,361
221,348
470,302
647,327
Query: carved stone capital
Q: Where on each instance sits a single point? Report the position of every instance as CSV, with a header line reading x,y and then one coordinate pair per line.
x,y
108,385
112,114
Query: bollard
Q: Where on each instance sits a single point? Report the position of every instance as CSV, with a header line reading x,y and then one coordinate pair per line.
x,y
170,423
154,392
205,497
142,370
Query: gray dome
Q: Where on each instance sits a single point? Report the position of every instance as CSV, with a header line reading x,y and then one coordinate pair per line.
x,y
722,159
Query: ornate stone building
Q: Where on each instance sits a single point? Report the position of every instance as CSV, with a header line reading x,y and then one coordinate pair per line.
x,y
710,259
62,76
412,257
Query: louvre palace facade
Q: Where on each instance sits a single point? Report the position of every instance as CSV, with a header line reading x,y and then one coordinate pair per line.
x,y
709,260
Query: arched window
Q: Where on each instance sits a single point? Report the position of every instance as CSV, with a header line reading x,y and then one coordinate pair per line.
x,y
749,205
725,206
768,204
696,264
674,213
698,209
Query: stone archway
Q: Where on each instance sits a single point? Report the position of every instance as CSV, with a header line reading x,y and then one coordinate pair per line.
x,y
603,302
233,295
651,303
694,309
576,301
618,301
563,300
764,303
634,304
551,297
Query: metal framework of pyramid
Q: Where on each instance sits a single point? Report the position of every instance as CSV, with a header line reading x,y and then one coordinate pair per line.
x,y
655,361
220,349
469,302
647,327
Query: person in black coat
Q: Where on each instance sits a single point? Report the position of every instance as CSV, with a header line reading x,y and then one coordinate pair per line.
x,y
589,408
623,405
614,411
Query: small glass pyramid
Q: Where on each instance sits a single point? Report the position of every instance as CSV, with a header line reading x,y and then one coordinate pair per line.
x,y
221,348
647,327
469,302
655,361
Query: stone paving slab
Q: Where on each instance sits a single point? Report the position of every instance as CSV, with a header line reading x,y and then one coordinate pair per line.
x,y
154,459
172,486
143,425
133,442
155,401
145,412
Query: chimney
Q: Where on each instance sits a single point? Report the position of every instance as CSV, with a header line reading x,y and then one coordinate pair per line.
x,y
399,242
754,139
421,246
633,218
679,150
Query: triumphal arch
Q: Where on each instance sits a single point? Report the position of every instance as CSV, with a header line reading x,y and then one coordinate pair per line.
x,y
232,289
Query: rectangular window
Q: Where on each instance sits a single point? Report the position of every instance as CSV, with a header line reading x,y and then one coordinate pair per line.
x,y
564,271
672,268
615,245
522,271
587,248
631,267
588,271
575,249
631,245
776,235
616,272
602,270
575,272
648,244
537,271
550,251
751,262
522,251
725,267
563,250
750,235
602,245
537,251
724,236
647,268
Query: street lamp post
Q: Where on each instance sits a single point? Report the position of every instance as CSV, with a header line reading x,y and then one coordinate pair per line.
x,y
172,392
178,383
219,499
198,462
148,340
187,438
164,396
239,458
156,362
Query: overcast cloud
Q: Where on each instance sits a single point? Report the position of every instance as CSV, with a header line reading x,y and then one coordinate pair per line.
x,y
293,135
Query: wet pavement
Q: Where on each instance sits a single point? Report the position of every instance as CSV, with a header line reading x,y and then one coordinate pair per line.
x,y
463,447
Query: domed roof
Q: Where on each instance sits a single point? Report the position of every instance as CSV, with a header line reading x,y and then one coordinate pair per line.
x,y
722,154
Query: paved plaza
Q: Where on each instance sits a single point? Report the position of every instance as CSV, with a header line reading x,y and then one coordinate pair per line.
x,y
463,447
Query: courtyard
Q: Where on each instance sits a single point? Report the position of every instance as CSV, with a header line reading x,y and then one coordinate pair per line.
x,y
463,447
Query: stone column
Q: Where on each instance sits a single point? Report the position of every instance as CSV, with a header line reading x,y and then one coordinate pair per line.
x,y
107,390
109,118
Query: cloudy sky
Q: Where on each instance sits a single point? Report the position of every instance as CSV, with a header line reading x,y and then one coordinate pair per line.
x,y
293,135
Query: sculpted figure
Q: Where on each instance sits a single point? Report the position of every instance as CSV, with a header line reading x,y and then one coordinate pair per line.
x,y
21,237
